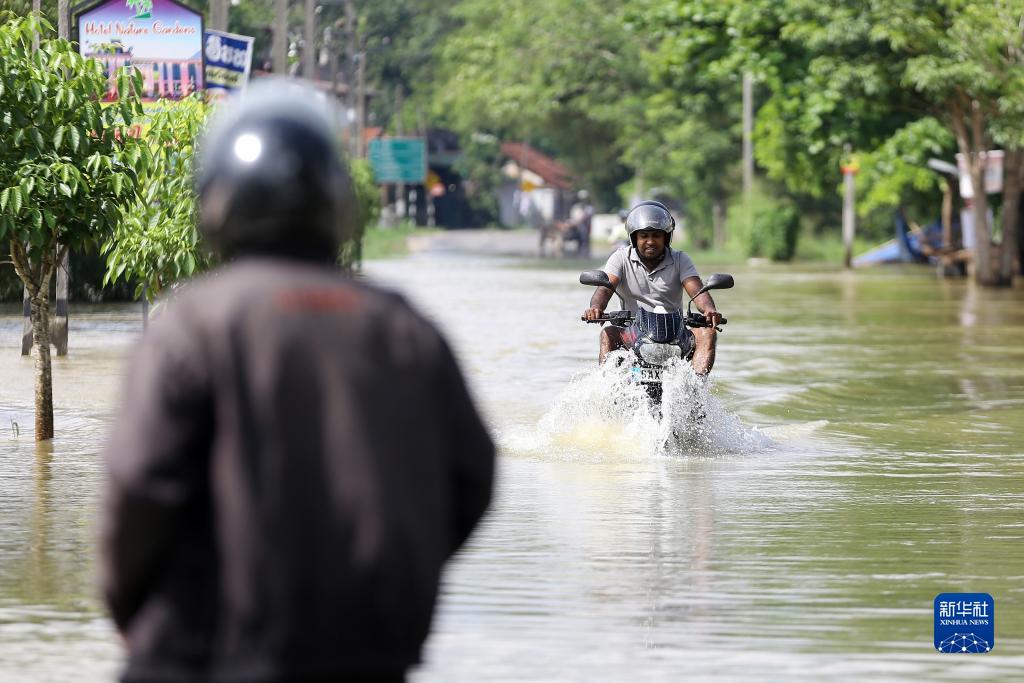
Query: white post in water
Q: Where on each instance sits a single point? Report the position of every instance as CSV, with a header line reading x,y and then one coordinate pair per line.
x,y
59,326
849,168
26,333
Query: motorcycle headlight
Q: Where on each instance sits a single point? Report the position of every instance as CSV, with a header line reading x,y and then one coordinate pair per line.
x,y
659,354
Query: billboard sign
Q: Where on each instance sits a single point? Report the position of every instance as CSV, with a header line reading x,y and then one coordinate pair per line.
x,y
398,160
162,38
228,60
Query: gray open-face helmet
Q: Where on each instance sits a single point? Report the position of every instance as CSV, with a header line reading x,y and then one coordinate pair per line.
x,y
649,215
271,177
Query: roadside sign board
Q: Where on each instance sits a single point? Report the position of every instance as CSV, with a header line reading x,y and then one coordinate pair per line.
x,y
398,160
161,38
228,60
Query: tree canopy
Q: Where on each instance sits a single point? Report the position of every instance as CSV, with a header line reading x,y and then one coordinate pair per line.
x,y
67,167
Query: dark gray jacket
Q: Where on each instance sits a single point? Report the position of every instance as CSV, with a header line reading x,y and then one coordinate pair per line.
x,y
296,458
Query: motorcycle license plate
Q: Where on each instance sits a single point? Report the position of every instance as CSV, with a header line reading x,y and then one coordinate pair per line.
x,y
647,374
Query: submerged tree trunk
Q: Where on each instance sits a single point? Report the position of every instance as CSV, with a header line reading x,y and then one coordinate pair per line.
x,y
969,127
43,368
984,273
36,278
1013,166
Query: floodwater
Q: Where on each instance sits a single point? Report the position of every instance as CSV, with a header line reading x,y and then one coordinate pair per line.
x,y
862,453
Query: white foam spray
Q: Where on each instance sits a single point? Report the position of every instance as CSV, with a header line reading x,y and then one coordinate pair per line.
x,y
603,411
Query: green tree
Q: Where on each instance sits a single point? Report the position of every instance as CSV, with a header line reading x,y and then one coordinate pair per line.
x,y
684,135
554,74
21,8
157,243
66,169
870,74
966,61
368,211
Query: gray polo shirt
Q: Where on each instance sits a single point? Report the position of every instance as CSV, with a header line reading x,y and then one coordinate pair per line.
x,y
662,286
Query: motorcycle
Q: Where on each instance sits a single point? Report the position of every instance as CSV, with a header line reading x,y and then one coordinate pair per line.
x,y
663,337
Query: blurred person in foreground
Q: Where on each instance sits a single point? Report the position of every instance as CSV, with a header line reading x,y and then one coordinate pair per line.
x,y
297,455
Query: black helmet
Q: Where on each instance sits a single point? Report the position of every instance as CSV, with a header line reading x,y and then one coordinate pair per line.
x,y
271,178
649,215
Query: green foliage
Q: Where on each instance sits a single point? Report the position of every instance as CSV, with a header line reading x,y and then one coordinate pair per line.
x,y
399,38
683,131
775,231
896,172
367,194
767,226
368,200
67,165
12,9
480,168
513,70
157,243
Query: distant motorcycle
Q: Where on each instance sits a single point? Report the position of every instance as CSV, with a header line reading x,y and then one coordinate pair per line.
x,y
663,336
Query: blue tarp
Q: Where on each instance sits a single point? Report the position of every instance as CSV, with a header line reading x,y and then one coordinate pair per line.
x,y
905,247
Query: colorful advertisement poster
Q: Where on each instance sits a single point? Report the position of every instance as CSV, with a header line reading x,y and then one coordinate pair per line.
x,y
161,38
228,61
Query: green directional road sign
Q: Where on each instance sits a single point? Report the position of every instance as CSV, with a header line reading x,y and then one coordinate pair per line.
x,y
399,160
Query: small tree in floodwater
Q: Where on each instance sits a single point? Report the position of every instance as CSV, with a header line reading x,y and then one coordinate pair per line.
x,y
157,242
67,166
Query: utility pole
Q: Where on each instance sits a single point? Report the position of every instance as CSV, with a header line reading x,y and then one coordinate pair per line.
x,y
361,102
37,11
63,20
748,135
350,71
279,46
400,197
309,49
748,159
219,15
849,168
332,58
59,328
59,323
26,307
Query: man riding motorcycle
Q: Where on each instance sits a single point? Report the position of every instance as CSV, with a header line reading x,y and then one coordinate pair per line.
x,y
649,276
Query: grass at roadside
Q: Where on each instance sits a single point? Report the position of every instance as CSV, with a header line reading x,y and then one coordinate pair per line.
x,y
809,250
381,242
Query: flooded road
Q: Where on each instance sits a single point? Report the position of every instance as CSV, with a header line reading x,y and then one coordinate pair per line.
x,y
862,454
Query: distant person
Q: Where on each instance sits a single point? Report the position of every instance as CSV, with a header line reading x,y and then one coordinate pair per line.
x,y
651,277
581,222
297,455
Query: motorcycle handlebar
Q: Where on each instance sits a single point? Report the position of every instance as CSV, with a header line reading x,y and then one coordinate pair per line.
x,y
693,320
697,320
608,319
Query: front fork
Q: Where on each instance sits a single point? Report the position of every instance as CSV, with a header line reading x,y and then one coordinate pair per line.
x,y
687,344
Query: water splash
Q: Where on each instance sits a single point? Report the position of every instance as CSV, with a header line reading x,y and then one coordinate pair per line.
x,y
603,411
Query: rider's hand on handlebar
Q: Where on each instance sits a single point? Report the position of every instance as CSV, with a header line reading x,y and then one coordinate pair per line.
x,y
592,313
713,317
